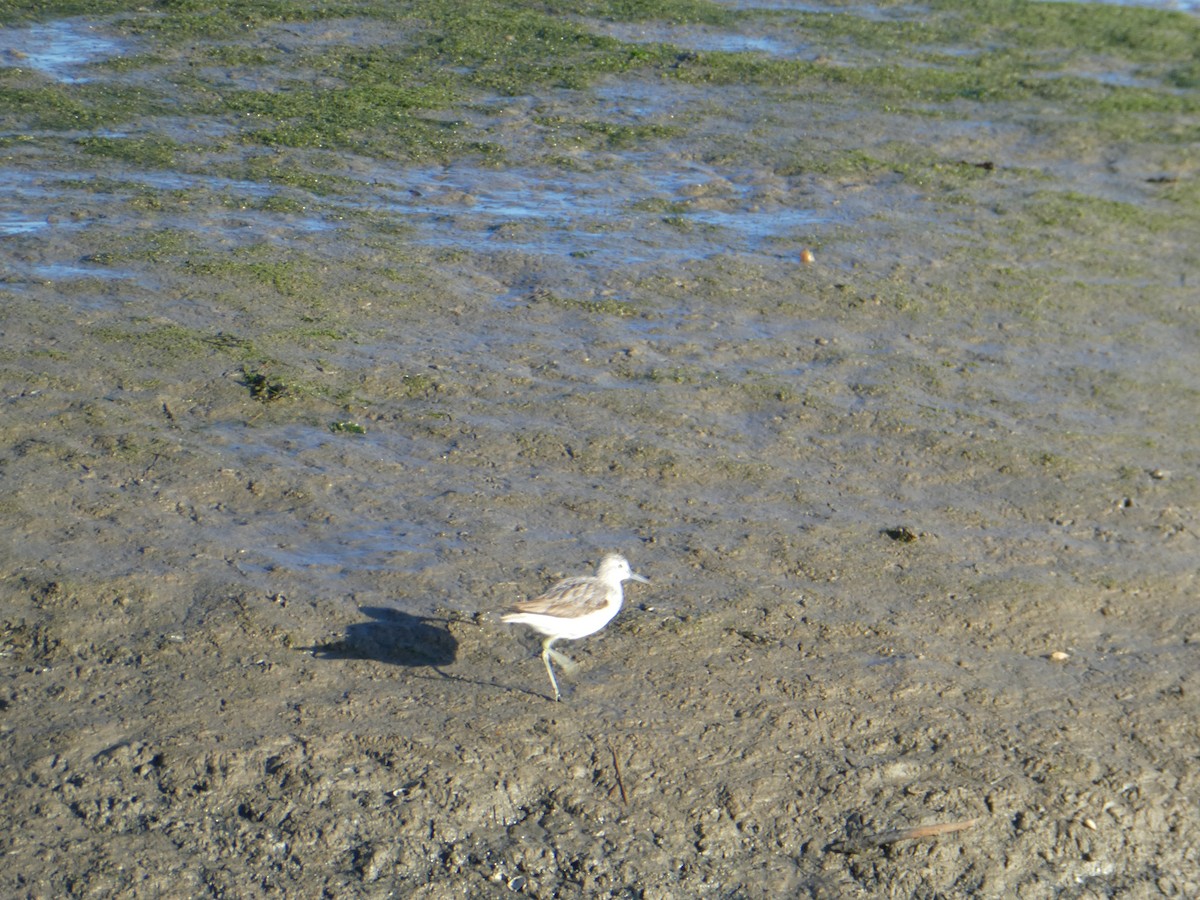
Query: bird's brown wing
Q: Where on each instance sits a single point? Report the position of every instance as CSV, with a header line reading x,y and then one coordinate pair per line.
x,y
570,597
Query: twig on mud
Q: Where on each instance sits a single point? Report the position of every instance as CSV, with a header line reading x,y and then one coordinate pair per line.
x,y
871,841
617,769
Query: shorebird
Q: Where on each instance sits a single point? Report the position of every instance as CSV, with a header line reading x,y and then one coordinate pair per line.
x,y
574,608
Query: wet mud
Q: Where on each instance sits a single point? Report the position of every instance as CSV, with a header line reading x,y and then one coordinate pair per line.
x,y
877,355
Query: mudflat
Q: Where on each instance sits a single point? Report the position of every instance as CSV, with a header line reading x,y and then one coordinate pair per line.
x,y
868,334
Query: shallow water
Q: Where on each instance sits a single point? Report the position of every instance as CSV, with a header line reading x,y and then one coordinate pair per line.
x,y
60,49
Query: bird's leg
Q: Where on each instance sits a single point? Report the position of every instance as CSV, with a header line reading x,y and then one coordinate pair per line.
x,y
565,662
546,654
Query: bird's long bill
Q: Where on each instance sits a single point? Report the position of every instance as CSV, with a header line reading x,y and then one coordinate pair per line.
x,y
633,576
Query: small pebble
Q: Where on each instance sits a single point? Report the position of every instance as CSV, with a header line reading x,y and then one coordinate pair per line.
x,y
1060,656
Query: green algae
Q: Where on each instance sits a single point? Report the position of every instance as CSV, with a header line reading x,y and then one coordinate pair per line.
x,y
296,279
392,101
31,104
158,345
153,151
607,306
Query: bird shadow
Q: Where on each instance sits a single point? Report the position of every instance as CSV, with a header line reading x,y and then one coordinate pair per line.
x,y
402,639
393,637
